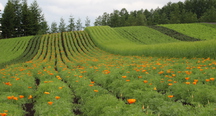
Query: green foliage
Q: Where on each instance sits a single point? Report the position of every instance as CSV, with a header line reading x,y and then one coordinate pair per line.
x,y
194,30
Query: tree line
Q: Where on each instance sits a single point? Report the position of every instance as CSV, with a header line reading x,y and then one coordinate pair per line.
x,y
19,19
190,11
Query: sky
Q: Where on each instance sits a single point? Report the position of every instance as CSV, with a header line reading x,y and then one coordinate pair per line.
x,y
53,10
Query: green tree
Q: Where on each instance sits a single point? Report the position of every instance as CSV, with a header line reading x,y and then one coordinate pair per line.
x,y
62,25
115,19
35,17
44,28
26,21
8,18
71,26
105,19
17,20
140,19
123,16
54,28
79,25
87,22
175,14
209,15
188,17
98,21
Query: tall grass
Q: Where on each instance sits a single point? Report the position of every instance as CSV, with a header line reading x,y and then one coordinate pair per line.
x,y
109,40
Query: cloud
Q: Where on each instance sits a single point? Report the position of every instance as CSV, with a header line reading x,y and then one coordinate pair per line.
x,y
1,7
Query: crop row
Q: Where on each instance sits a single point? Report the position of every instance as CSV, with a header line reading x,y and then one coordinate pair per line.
x,y
195,30
12,48
69,75
109,40
145,35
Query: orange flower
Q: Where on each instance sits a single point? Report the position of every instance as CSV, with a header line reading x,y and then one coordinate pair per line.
x,y
195,80
91,85
15,98
80,76
207,80
155,88
9,97
174,81
29,87
161,72
95,90
92,82
187,78
21,96
46,93
60,87
57,97
8,83
30,97
139,76
77,81
194,83
3,114
124,76
51,74
127,80
170,96
187,83
170,84
130,101
17,78
173,75
212,79
50,103
145,81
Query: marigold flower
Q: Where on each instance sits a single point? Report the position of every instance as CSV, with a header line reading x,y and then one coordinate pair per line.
x,y
170,96
155,88
187,78
194,83
145,81
21,96
195,80
91,85
124,76
207,80
46,93
187,83
57,97
50,103
3,114
9,97
212,79
15,98
30,97
60,87
95,90
130,101
170,84
139,76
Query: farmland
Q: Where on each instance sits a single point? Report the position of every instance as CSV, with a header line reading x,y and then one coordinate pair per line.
x,y
100,72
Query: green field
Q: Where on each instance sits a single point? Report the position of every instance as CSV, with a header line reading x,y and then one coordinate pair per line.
x,y
96,71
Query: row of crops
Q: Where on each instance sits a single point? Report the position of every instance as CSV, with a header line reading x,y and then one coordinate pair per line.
x,y
66,74
111,41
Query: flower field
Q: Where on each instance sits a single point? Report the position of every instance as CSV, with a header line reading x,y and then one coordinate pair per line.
x,y
79,74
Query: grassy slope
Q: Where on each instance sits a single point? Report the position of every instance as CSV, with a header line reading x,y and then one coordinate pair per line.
x,y
109,40
12,48
194,30
144,35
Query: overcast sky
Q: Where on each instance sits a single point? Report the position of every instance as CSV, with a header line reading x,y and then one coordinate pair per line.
x,y
55,9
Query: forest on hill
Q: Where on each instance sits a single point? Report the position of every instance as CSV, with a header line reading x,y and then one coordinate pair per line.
x,y
19,19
